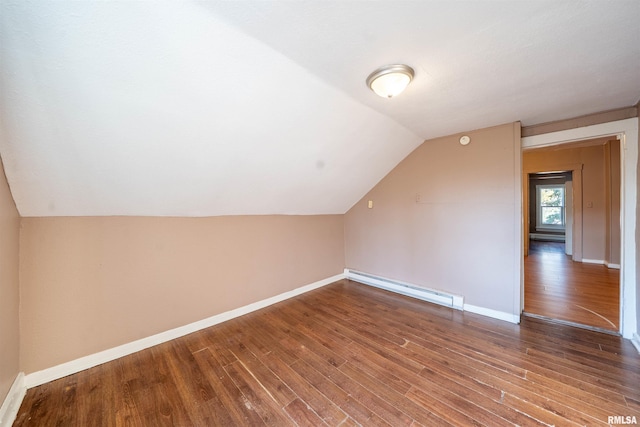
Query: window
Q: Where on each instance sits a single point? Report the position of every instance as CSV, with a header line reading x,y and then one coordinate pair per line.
x,y
550,200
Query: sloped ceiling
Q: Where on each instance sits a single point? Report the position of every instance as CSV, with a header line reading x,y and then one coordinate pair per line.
x,y
260,107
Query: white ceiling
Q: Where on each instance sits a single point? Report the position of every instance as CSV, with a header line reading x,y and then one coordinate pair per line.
x,y
260,107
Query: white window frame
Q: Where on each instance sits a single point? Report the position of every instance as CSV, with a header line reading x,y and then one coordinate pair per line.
x,y
550,227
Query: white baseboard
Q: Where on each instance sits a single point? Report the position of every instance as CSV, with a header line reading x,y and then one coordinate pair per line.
x,y
500,315
11,404
601,261
593,261
40,377
636,342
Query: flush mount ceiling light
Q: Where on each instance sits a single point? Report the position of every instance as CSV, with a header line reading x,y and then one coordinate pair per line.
x,y
390,80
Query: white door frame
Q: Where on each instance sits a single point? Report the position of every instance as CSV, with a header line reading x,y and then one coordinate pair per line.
x,y
568,214
627,132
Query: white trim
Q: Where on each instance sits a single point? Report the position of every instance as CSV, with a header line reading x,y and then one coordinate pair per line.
x,y
518,225
40,377
579,134
405,288
636,342
12,402
602,262
500,315
627,132
593,261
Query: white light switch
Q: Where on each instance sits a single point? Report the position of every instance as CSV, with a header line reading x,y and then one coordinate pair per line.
x,y
370,204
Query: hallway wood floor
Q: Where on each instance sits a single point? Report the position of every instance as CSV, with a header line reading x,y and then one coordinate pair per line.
x,y
558,288
348,354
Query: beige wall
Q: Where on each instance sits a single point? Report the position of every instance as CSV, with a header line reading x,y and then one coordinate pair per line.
x,y
89,284
461,236
593,189
9,290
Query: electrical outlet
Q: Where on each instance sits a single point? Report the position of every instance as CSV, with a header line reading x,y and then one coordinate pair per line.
x,y
418,198
370,204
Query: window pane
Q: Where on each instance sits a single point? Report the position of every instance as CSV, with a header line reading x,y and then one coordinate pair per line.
x,y
552,196
551,215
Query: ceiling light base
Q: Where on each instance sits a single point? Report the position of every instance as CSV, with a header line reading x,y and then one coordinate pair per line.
x,y
390,80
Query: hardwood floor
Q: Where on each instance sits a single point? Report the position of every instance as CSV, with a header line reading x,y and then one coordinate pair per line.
x,y
348,354
558,288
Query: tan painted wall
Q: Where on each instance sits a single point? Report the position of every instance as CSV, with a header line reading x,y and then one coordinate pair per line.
x,y
89,284
593,189
9,288
460,237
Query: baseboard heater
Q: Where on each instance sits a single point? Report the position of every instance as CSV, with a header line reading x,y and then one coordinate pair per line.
x,y
425,294
549,237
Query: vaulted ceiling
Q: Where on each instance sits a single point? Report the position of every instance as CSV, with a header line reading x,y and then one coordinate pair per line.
x,y
185,108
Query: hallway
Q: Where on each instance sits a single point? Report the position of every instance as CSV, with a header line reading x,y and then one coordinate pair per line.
x,y
558,288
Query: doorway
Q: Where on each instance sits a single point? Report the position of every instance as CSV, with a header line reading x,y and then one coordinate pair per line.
x,y
572,233
626,131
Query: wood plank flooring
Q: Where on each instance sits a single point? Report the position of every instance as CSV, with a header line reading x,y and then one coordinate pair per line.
x,y
347,355
558,288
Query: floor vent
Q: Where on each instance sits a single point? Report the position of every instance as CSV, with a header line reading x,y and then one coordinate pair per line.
x,y
425,294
